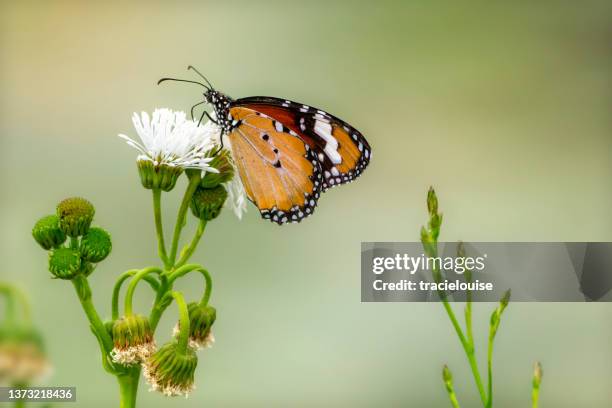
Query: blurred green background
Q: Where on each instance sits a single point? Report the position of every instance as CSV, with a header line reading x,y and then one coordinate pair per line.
x,y
503,106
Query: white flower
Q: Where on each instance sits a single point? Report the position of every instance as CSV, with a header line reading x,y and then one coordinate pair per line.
x,y
170,139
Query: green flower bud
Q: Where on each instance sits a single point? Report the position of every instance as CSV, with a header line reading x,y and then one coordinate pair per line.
x,y
96,245
206,203
64,263
460,250
170,371
201,319
75,216
161,176
537,375
432,202
47,232
222,162
133,340
503,302
447,376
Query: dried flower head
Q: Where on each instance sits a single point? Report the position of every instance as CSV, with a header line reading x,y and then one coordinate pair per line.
x,y
133,340
22,356
170,370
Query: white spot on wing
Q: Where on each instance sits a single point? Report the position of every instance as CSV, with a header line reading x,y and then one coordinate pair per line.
x,y
324,130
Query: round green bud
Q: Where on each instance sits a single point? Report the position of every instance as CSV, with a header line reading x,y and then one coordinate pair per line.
x,y
64,263
47,232
206,203
222,162
75,216
96,245
170,370
162,177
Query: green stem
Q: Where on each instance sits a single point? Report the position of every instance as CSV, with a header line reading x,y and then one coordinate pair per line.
x,y
183,337
468,311
117,289
490,370
129,296
10,313
452,396
535,396
128,388
83,291
188,250
107,364
159,305
185,269
194,181
159,227
467,347
20,403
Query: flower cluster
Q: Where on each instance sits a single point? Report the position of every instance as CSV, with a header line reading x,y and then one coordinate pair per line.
x,y
169,146
86,245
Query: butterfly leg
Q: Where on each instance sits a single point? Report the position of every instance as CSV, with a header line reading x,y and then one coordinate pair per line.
x,y
210,118
193,107
220,147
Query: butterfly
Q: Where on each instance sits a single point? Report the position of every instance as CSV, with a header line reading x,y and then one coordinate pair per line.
x,y
287,153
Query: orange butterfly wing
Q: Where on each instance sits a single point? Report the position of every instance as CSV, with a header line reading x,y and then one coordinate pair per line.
x,y
280,172
342,151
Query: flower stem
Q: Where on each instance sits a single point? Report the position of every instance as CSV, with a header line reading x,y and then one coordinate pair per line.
x,y
183,337
117,288
129,296
451,393
10,310
535,397
20,403
188,250
194,180
159,227
490,371
469,351
128,389
83,291
159,305
185,269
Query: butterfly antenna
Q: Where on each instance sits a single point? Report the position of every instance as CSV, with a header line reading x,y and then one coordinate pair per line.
x,y
181,80
200,74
